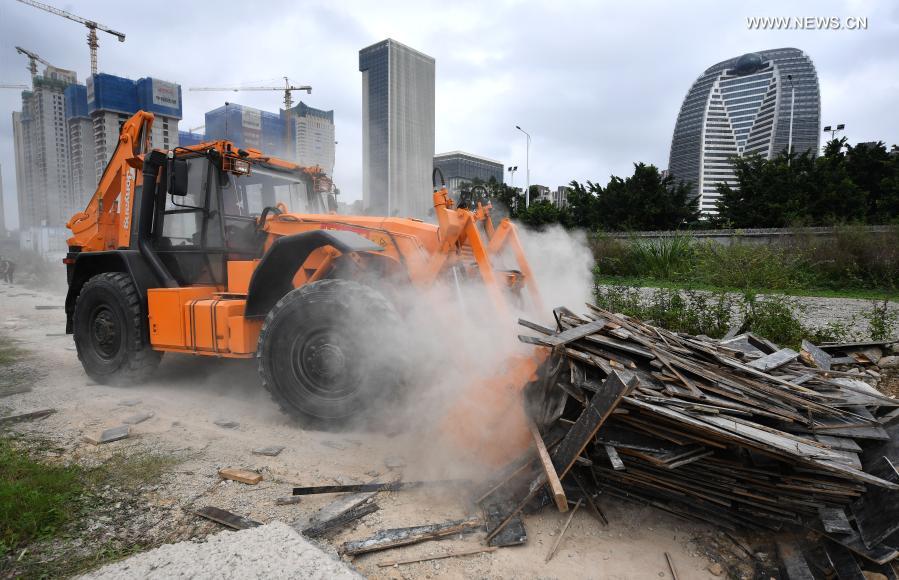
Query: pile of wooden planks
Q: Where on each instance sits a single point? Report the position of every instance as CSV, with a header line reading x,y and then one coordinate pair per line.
x,y
737,432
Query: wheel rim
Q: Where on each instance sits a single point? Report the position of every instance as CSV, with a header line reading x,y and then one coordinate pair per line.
x,y
105,332
322,363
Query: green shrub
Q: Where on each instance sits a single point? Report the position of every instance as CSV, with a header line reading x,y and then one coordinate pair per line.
x,y
883,322
666,258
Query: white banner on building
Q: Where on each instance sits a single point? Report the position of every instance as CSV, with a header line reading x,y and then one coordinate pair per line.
x,y
165,94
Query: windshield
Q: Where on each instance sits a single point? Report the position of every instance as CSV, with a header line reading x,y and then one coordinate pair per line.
x,y
248,195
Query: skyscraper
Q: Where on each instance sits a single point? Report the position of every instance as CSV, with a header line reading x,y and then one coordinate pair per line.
x,y
42,151
397,129
742,106
313,136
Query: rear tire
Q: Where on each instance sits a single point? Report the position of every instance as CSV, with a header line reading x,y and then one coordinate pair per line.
x,y
111,334
329,353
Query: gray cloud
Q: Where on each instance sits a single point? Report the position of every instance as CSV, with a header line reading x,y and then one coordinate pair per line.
x,y
597,84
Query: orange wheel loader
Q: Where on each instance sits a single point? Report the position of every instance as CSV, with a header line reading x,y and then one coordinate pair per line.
x,y
216,251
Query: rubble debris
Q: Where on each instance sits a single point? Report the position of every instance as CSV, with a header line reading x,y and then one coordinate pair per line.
x,y
48,307
138,417
227,423
394,462
332,525
340,505
289,500
226,518
270,451
794,563
240,475
27,415
109,435
739,433
393,538
374,486
130,402
450,554
552,551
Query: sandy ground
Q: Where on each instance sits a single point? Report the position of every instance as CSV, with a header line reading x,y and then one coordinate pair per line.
x,y
187,396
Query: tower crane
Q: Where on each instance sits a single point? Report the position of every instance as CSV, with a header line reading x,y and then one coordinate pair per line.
x,y
13,86
288,99
33,59
91,25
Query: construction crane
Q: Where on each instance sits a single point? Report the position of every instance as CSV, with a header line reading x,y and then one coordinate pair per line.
x,y
33,59
92,28
288,99
12,86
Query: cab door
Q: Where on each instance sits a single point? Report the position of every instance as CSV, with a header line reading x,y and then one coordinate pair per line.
x,y
188,235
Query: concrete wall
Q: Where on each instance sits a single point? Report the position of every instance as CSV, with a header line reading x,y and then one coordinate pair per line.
x,y
750,236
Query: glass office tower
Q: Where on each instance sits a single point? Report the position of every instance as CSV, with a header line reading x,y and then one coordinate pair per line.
x,y
742,106
397,129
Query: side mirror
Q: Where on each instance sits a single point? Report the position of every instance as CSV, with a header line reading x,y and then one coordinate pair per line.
x,y
178,177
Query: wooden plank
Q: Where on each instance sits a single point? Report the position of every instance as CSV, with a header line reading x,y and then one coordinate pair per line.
x,y
814,356
374,486
552,478
226,518
552,551
590,420
671,567
795,566
511,534
614,458
241,475
575,333
834,520
332,525
774,360
877,512
450,554
396,537
27,415
843,562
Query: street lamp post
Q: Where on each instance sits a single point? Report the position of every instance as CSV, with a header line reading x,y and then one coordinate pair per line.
x,y
792,101
527,192
834,130
512,171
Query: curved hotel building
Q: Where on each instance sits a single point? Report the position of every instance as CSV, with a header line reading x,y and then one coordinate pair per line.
x,y
742,106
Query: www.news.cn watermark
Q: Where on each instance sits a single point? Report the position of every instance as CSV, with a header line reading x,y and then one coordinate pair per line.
x,y
806,23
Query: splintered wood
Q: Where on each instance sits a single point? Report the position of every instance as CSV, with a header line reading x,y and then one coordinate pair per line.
x,y
739,433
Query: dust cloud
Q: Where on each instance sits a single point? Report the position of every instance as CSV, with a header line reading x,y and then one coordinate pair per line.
x,y
456,344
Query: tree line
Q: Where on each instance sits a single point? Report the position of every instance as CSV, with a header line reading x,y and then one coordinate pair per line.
x,y
846,184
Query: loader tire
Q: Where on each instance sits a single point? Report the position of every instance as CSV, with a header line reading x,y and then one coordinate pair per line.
x,y
110,330
329,354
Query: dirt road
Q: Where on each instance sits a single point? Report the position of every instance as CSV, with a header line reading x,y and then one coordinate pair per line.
x,y
187,396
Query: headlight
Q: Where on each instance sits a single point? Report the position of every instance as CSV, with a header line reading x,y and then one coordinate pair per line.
x,y
240,166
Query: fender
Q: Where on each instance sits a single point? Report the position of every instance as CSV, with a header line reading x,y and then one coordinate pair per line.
x,y
273,277
89,264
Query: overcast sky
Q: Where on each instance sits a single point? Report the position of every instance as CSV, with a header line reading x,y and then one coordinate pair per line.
x,y
597,84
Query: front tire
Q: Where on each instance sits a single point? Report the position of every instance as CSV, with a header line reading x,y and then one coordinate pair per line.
x,y
329,353
110,330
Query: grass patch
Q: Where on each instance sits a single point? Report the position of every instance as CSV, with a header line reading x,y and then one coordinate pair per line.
x,y
9,352
36,500
853,262
44,505
778,317
650,282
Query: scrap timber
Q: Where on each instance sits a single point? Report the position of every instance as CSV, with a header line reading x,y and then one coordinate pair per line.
x,y
738,433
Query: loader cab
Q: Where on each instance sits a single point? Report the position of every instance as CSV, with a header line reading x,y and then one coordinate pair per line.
x,y
209,213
